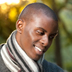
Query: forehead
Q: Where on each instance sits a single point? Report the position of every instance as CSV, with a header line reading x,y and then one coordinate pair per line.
x,y
44,22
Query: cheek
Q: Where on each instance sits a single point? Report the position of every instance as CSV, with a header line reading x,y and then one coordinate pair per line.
x,y
25,43
33,36
48,46
29,39
50,42
25,39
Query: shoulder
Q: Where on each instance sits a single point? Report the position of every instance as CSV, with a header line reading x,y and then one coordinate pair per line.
x,y
51,67
3,68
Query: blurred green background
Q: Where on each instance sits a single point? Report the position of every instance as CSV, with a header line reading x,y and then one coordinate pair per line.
x,y
60,51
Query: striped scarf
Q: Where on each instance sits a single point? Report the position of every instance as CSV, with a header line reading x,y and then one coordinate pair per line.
x,y
16,59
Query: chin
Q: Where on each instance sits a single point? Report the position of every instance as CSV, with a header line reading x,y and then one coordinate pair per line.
x,y
37,58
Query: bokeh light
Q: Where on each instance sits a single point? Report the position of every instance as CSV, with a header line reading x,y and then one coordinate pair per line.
x,y
13,14
9,1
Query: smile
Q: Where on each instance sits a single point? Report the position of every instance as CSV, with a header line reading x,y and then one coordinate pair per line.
x,y
38,48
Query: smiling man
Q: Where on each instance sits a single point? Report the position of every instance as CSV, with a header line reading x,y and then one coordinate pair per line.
x,y
24,50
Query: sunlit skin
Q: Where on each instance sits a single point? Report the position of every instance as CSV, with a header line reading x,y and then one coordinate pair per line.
x,y
38,32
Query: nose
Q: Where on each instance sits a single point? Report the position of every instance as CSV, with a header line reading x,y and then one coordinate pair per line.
x,y
44,41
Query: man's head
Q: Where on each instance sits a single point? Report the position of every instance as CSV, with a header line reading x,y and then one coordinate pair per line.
x,y
36,28
35,8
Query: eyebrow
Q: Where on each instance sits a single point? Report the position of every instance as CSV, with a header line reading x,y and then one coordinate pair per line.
x,y
54,34
42,29
46,31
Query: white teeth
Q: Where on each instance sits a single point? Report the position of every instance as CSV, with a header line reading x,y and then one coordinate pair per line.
x,y
38,48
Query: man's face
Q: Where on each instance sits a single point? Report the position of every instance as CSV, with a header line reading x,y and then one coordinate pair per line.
x,y
37,36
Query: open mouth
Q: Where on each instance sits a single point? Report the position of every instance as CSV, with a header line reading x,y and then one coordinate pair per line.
x,y
38,48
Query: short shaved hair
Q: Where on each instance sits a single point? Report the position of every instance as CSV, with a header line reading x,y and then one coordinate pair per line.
x,y
35,9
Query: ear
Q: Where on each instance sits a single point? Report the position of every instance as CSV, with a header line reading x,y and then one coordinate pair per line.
x,y
19,25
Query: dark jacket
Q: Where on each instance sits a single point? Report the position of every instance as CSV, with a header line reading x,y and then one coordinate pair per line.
x,y
48,67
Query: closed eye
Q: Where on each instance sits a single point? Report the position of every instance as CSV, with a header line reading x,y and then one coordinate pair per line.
x,y
53,36
39,32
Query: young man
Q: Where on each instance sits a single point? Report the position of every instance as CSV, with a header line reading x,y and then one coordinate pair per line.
x,y
24,50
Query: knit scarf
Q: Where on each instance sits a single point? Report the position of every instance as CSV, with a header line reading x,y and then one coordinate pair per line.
x,y
16,59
